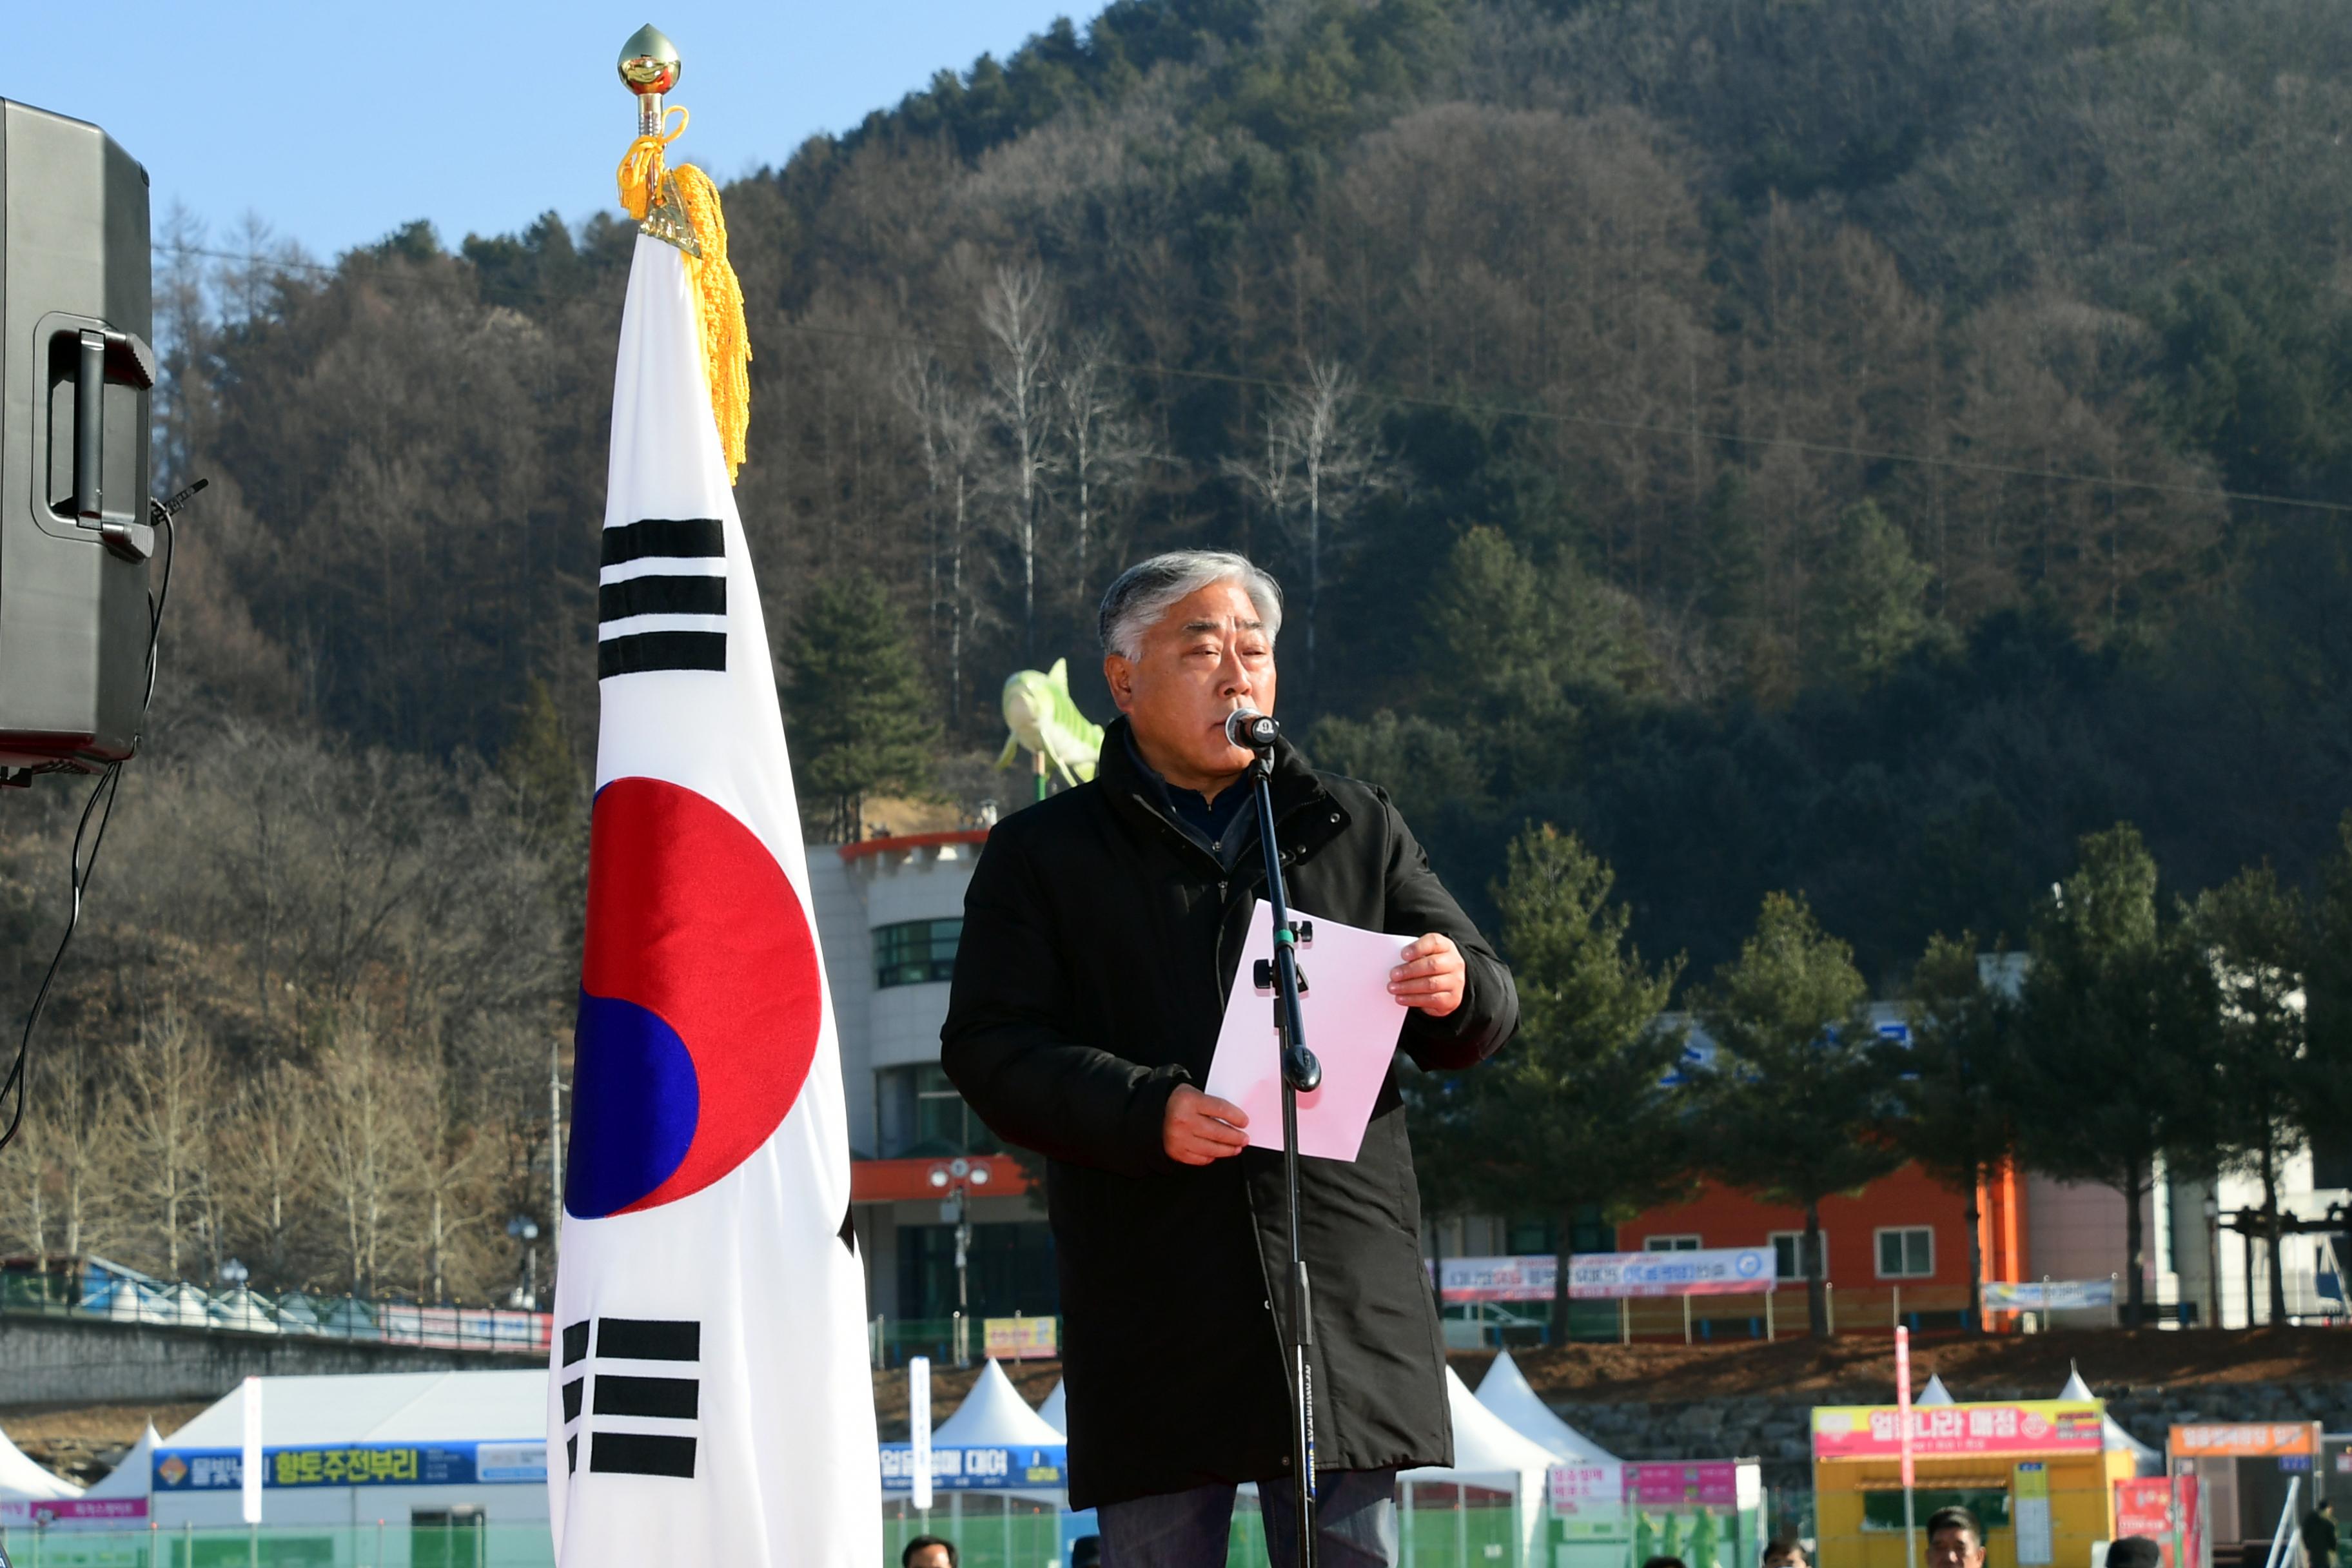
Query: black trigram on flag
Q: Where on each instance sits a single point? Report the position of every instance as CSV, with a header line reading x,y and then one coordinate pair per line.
x,y
661,596
642,1420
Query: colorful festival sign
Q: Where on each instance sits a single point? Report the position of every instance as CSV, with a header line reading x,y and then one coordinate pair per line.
x,y
1498,1278
986,1469
1723,1271
2048,1295
2246,1439
356,1465
2028,1426
1021,1338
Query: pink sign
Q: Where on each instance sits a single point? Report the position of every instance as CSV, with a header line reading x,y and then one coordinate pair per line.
x,y
2028,1426
1713,1484
2146,1507
74,1510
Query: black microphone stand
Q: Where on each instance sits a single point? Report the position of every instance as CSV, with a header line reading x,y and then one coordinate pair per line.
x,y
1300,1075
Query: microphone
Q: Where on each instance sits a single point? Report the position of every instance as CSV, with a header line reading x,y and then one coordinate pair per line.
x,y
1248,728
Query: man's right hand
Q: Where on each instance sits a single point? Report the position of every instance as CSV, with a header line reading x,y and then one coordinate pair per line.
x,y
1200,1128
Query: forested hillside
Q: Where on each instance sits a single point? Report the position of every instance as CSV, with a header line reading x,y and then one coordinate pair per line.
x,y
1848,447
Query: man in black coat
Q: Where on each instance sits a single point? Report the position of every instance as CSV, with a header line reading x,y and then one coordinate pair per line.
x,y
1101,933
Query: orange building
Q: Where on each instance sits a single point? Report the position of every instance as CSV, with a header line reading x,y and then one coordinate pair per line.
x,y
1896,1250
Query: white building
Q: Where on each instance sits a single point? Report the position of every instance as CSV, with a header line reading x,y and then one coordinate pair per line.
x,y
889,913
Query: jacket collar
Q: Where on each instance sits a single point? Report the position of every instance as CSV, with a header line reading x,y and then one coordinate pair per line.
x,y
1295,784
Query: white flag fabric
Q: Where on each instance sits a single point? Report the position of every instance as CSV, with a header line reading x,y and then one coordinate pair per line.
x,y
709,1401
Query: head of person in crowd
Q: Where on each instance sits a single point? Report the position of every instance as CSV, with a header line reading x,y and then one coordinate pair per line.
x,y
1786,1553
1664,1563
927,1552
1188,638
1955,1539
2134,1551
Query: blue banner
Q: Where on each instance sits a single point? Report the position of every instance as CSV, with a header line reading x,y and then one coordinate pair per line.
x,y
356,1465
978,1470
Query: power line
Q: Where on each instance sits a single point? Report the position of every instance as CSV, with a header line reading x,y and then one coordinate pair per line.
x,y
1482,410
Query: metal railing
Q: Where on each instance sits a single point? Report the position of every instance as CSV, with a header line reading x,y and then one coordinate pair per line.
x,y
113,1297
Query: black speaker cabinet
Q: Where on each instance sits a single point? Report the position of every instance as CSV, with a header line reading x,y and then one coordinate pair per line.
x,y
75,318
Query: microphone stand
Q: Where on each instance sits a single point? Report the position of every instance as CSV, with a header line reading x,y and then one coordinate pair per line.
x,y
1301,1073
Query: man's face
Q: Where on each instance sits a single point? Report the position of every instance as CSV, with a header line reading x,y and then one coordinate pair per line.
x,y
1953,1547
928,1557
1785,1560
1206,656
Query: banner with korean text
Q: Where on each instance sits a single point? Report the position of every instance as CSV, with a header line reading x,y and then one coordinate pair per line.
x,y
1721,1272
2025,1427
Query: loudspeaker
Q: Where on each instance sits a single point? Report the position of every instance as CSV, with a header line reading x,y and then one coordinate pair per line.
x,y
76,314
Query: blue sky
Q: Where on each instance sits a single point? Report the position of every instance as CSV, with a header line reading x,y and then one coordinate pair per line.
x,y
338,122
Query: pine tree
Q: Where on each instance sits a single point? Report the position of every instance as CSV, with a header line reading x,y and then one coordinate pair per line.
x,y
1801,1095
2115,1038
2251,932
1958,1082
860,710
1577,1111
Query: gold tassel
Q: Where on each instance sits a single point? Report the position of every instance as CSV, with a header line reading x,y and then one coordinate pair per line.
x,y
726,343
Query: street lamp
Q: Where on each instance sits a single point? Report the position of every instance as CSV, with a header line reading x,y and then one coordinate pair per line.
x,y
525,1229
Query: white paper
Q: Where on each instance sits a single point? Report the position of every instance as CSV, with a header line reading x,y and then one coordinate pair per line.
x,y
1352,1024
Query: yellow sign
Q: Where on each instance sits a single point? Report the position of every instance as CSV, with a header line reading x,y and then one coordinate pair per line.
x,y
1021,1338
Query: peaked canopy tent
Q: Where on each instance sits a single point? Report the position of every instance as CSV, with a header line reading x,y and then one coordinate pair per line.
x,y
430,1440
136,1472
2145,1461
1495,1488
22,1480
1935,1393
993,1415
998,1468
1506,1392
1056,1411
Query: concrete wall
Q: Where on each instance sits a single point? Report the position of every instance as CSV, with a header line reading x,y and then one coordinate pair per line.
x,y
60,1360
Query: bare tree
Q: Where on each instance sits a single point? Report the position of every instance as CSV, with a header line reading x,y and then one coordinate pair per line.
x,y
948,423
169,1106
367,1138
1017,314
1105,448
270,1153
1323,460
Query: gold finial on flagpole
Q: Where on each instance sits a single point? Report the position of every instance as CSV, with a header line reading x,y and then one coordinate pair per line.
x,y
649,67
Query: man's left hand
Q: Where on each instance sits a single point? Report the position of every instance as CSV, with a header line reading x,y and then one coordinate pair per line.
x,y
1432,977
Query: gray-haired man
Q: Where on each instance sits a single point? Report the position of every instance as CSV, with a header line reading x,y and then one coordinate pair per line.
x,y
1101,934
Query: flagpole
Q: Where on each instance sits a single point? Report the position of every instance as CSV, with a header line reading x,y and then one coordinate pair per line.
x,y
1902,1420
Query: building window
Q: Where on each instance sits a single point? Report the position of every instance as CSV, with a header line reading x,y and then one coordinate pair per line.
x,y
1671,1244
1908,1253
1787,1254
923,1117
916,952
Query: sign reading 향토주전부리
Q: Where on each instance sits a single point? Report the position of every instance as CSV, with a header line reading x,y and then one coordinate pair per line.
x,y
356,1465
2026,1426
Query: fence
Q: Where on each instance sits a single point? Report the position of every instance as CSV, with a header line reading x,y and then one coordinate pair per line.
x,y
380,1543
114,1297
1439,1526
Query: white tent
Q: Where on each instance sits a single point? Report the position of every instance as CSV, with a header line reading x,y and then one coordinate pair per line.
x,y
134,1474
1935,1392
993,1415
381,1407
1488,1452
2146,1460
1056,1411
21,1480
1504,1391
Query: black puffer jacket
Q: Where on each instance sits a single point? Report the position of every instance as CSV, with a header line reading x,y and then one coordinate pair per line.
x,y
1099,943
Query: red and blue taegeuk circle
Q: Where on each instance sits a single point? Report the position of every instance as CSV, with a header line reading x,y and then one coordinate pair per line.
x,y
700,999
